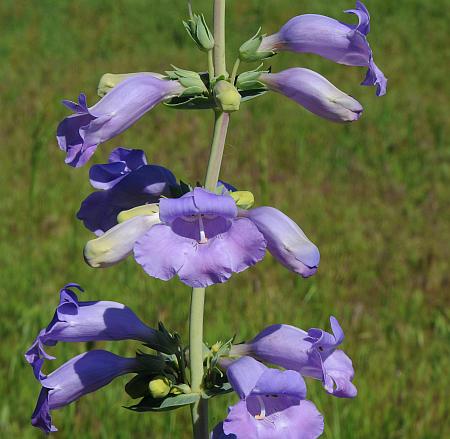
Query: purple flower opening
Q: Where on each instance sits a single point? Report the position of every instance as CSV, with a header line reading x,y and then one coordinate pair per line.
x,y
332,39
81,375
80,134
76,321
272,405
200,239
128,182
312,353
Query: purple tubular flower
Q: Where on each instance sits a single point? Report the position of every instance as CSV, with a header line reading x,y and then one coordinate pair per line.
x,y
80,134
285,240
340,42
83,374
272,405
76,321
315,93
312,353
200,239
128,182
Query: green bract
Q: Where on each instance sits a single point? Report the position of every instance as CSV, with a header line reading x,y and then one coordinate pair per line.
x,y
150,404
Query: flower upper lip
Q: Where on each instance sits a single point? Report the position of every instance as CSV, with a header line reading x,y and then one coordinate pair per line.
x,y
195,203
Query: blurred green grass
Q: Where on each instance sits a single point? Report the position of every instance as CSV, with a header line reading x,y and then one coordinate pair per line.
x,y
373,196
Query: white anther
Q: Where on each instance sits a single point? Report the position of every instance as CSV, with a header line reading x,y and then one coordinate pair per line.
x,y
203,238
262,414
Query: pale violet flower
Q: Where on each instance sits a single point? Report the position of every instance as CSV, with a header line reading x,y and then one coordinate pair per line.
x,y
80,134
332,39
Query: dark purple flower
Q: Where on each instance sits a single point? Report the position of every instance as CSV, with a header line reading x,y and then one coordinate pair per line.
x,y
80,134
272,405
340,42
315,93
76,321
121,162
81,375
312,353
128,182
201,239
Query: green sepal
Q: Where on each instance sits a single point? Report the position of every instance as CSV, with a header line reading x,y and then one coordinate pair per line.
x,y
192,81
250,80
248,52
137,387
151,364
191,88
198,30
207,103
217,390
149,404
163,341
248,95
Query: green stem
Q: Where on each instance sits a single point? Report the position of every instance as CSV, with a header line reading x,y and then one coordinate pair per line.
x,y
217,147
210,65
219,37
199,410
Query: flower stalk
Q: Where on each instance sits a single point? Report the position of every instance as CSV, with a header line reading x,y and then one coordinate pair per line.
x,y
199,410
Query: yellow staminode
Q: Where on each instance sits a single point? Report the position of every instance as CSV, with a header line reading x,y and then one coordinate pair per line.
x,y
146,209
243,199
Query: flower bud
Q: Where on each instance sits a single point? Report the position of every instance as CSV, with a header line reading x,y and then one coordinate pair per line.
x,y
160,387
227,96
198,30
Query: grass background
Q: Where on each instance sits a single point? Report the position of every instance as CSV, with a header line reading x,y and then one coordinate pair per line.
x,y
374,196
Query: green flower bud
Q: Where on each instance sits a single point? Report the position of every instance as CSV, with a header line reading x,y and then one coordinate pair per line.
x,y
160,387
198,30
227,96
